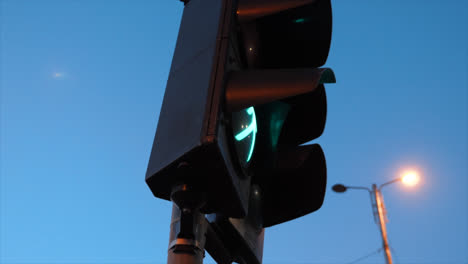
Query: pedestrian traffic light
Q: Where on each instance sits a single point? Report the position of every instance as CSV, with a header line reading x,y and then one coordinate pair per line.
x,y
244,93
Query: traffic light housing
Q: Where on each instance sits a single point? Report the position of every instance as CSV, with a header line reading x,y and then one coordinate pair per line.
x,y
244,93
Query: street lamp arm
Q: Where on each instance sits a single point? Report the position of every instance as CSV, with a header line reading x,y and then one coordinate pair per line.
x,y
390,182
359,188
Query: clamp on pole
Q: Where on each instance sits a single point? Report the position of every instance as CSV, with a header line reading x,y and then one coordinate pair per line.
x,y
187,235
188,227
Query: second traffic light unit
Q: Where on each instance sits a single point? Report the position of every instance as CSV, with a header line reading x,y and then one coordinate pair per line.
x,y
244,93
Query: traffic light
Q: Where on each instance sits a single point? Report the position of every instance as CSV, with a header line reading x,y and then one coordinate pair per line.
x,y
244,93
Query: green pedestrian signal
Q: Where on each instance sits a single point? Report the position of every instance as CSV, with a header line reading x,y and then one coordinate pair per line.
x,y
245,131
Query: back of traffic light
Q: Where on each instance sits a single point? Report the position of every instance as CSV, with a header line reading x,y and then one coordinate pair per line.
x,y
244,92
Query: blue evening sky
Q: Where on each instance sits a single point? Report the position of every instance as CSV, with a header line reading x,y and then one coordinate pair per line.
x,y
82,83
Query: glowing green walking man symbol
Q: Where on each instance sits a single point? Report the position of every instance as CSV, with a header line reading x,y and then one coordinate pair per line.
x,y
250,129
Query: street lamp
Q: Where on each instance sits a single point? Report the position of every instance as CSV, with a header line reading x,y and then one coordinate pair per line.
x,y
409,178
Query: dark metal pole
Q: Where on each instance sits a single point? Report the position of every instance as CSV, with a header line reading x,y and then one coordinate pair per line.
x,y
188,227
186,250
383,228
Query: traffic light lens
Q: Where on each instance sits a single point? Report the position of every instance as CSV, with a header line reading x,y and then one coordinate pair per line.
x,y
244,125
301,20
304,32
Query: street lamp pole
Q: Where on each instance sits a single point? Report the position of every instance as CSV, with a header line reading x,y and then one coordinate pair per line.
x,y
380,207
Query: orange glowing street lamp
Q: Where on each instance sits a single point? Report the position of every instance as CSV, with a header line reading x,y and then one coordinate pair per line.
x,y
408,178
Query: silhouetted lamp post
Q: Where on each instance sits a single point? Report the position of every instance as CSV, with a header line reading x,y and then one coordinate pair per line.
x,y
410,178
